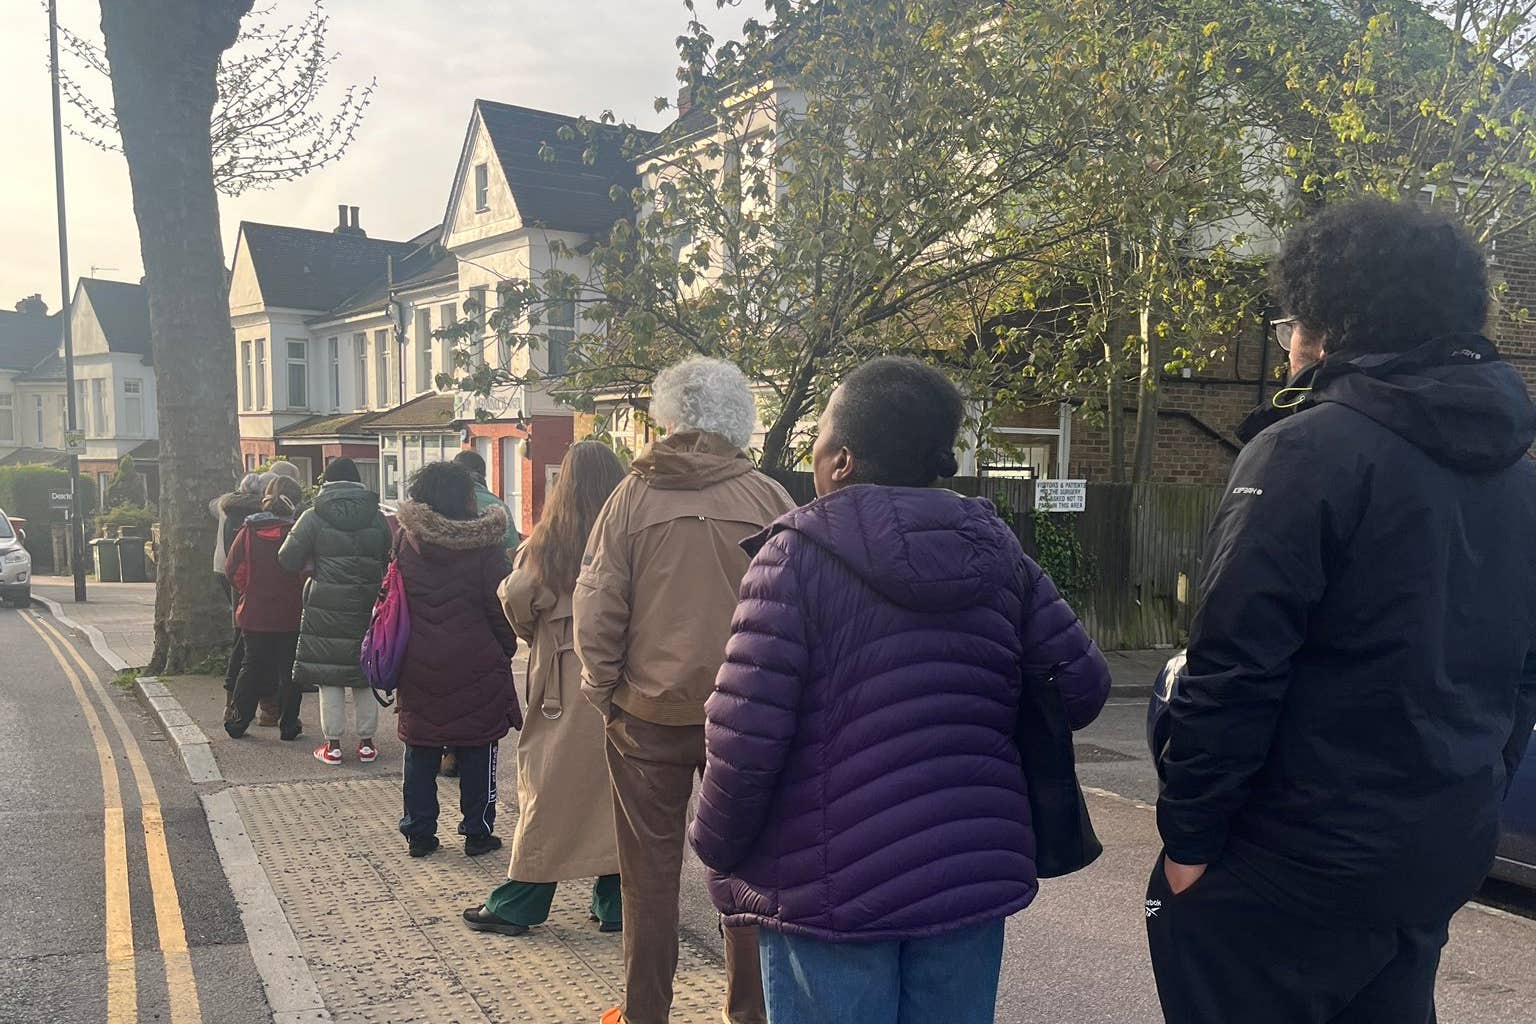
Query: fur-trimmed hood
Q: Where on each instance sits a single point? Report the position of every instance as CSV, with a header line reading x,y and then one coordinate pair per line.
x,y
430,527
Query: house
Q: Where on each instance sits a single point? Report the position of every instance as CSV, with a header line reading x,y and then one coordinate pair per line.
x,y
31,397
334,331
114,384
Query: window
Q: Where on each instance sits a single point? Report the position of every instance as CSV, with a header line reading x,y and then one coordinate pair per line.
x,y
245,376
103,481
368,473
560,329
37,409
423,350
250,463
99,407
482,187
391,464
63,418
82,411
333,372
381,368
261,373
7,417
447,316
360,353
298,374
512,476
133,407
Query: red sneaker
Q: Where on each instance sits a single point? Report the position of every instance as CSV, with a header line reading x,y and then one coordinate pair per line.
x,y
613,1016
366,752
328,755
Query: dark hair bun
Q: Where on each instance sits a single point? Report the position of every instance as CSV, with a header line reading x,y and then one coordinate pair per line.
x,y
945,465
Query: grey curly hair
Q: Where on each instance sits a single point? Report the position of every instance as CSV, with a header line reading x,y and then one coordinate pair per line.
x,y
705,394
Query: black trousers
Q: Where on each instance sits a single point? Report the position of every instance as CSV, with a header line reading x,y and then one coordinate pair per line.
x,y
1224,953
237,652
266,670
477,790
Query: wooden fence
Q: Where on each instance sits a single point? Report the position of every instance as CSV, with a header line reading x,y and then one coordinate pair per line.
x,y
1142,544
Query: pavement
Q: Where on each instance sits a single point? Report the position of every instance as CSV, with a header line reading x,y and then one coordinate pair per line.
x,y
123,614
343,926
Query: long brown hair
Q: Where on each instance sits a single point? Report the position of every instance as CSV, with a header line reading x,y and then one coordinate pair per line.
x,y
588,474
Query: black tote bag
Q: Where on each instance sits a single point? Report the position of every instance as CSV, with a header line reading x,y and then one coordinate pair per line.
x,y
1064,838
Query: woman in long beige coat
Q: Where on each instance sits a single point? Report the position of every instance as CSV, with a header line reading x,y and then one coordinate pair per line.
x,y
565,810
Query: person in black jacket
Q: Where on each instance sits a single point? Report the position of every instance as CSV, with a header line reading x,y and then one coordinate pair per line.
x,y
1357,693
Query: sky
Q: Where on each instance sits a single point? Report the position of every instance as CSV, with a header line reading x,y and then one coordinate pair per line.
x,y
432,58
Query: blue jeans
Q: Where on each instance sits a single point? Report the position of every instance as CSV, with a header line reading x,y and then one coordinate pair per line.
x,y
950,978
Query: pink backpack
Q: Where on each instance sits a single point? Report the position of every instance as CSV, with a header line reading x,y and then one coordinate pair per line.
x,y
389,631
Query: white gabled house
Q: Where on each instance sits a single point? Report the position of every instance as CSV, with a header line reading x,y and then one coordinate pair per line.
x,y
333,329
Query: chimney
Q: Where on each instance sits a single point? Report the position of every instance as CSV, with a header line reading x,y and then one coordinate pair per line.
x,y
347,221
684,100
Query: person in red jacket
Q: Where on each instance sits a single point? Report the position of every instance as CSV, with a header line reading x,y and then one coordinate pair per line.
x,y
270,602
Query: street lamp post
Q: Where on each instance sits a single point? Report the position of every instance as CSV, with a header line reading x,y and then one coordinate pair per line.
x,y
71,442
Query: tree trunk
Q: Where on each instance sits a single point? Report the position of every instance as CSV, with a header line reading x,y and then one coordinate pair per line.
x,y
1146,403
1114,417
778,455
164,56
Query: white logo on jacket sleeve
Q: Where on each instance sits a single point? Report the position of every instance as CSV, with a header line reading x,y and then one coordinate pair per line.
x,y
1248,491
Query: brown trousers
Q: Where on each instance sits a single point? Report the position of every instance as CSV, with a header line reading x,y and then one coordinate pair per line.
x,y
653,767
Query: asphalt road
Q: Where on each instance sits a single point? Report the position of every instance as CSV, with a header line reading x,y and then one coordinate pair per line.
x,y
68,889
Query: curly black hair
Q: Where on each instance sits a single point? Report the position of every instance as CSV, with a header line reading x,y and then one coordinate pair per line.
x,y
1377,276
899,418
447,489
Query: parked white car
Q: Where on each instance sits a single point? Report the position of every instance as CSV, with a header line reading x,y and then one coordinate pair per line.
x,y
15,566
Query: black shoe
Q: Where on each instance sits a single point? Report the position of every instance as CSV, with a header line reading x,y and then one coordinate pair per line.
x,y
235,729
481,920
424,846
477,846
292,734
606,926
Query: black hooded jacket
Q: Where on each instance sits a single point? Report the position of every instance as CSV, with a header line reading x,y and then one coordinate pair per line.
x,y
1357,693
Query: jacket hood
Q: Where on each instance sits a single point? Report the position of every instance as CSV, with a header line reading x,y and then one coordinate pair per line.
x,y
430,527
918,547
240,503
1452,398
690,461
346,505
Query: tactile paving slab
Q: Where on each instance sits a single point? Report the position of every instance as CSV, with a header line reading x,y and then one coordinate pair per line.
x,y
382,933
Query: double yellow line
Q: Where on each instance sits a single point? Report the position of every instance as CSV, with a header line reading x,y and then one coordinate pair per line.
x,y
122,981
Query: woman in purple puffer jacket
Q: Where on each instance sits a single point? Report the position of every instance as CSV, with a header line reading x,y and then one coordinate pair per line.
x,y
863,801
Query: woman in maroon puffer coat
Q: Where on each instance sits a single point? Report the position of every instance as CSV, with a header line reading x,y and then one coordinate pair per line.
x,y
455,686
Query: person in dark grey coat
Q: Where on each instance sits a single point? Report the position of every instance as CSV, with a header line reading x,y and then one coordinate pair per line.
x,y
1358,689
346,540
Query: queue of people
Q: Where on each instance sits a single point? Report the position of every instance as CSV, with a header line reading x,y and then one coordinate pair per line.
x,y
847,686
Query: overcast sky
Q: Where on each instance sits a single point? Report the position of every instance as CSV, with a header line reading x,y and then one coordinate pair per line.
x,y
432,58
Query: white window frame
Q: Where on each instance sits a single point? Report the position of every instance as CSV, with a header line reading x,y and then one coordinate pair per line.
x,y
482,187
302,363
261,374
82,409
40,421
381,367
424,382
133,399
247,384
562,333
333,368
99,407
360,357
8,416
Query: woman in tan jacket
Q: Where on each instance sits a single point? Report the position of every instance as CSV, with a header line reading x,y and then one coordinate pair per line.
x,y
565,811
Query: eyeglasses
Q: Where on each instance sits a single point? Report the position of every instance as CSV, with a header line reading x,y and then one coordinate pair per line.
x,y
1285,331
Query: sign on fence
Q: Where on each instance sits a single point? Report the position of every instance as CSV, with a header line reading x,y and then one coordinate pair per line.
x,y
1061,495
60,499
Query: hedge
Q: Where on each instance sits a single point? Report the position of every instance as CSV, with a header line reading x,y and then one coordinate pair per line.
x,y
24,492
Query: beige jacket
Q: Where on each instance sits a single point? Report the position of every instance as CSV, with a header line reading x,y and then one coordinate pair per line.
x,y
659,580
565,824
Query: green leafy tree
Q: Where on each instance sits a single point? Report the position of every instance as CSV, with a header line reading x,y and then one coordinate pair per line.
x,y
831,195
127,485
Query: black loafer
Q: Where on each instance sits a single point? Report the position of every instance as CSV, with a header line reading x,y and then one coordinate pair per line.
x,y
480,920
478,846
424,846
606,926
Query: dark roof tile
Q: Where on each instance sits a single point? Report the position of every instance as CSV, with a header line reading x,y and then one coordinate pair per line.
x,y
299,268
26,339
122,310
424,413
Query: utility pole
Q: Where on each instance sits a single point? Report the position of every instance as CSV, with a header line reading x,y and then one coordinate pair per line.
x,y
71,442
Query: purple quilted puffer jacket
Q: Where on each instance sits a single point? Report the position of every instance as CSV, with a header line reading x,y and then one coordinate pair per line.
x,y
863,782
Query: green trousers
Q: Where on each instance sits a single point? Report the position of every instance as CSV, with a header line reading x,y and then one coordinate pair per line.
x,y
527,903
